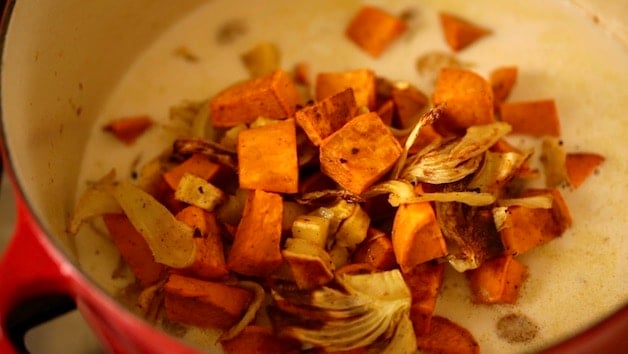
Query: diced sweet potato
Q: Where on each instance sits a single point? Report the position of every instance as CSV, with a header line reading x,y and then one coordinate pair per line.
x,y
203,303
447,337
134,249
197,164
497,281
255,249
526,228
416,236
467,100
458,32
502,81
409,103
359,153
267,158
374,29
427,135
302,73
537,118
128,129
386,111
272,96
580,165
424,281
362,81
376,251
209,261
325,117
259,340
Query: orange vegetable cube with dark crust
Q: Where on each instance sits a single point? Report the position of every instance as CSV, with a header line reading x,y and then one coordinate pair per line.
x,y
203,303
580,165
497,281
459,33
272,96
416,235
526,228
386,111
267,158
467,100
502,81
321,119
128,129
197,164
374,29
447,337
376,250
359,153
259,340
537,118
409,102
255,249
209,261
134,249
424,281
362,81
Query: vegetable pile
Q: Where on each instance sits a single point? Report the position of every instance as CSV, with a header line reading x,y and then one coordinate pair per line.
x,y
297,216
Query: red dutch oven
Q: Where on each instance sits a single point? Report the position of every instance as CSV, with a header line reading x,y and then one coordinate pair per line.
x,y
67,64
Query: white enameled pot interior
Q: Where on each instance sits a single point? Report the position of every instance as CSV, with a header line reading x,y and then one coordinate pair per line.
x,y
70,66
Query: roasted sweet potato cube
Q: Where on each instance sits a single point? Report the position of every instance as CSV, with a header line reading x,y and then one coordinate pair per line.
x,y
359,153
447,337
386,111
134,249
272,96
203,303
424,281
537,118
128,129
409,103
197,164
526,228
467,100
325,117
416,235
497,281
458,32
376,251
259,340
209,261
502,81
362,81
309,264
255,249
580,165
267,158
374,29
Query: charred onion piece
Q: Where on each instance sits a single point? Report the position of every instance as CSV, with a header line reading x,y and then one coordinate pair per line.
x,y
328,196
183,148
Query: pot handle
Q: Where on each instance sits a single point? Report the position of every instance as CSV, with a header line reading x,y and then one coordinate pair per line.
x,y
36,285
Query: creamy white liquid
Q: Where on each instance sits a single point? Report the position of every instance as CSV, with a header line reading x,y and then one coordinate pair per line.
x,y
560,53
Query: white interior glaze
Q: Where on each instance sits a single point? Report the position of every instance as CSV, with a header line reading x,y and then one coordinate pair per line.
x,y
80,64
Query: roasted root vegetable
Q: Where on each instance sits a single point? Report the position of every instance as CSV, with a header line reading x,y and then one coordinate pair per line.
x,y
198,165
128,129
581,165
424,281
460,33
447,337
502,81
497,281
537,118
374,29
361,81
259,340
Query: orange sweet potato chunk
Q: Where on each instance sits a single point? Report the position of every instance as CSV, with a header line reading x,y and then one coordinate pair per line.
x,y
466,98
502,81
197,164
460,33
321,119
267,158
416,235
497,281
580,165
134,249
203,303
409,103
362,81
259,340
447,337
255,249
359,153
272,96
374,29
377,251
128,129
424,281
537,118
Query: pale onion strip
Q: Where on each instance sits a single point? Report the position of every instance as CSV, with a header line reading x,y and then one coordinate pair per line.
x,y
535,202
469,198
251,312
95,201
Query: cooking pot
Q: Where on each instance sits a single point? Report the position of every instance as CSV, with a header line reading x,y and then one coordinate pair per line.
x,y
70,65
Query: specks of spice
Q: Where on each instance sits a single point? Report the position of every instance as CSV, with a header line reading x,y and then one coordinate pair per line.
x,y
230,31
517,328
